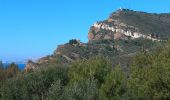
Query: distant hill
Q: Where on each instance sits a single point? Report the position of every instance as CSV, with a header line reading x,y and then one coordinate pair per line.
x,y
119,37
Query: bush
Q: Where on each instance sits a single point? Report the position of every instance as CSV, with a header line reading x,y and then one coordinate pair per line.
x,y
82,90
32,86
12,90
114,87
12,70
94,79
56,91
149,77
97,67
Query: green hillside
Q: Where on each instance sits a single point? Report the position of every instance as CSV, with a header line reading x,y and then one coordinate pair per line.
x,y
127,57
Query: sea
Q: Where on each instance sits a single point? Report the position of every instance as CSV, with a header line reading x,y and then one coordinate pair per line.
x,y
21,66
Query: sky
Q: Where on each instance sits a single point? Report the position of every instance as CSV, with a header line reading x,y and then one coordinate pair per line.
x,y
30,29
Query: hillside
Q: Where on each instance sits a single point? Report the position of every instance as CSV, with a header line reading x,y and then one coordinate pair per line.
x,y
132,24
119,37
92,79
118,63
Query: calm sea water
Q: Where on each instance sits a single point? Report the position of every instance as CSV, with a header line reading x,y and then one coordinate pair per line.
x,y
21,66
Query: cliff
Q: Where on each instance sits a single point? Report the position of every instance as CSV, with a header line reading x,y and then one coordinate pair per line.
x,y
131,24
119,37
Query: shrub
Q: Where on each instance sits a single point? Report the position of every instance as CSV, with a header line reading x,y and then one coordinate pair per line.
x,y
114,87
12,70
97,67
149,77
32,86
86,89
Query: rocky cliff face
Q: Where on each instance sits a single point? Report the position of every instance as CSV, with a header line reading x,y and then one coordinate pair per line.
x,y
127,24
119,37
118,31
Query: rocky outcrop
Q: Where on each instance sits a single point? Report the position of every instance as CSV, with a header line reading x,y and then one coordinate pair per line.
x,y
119,28
132,24
119,36
30,66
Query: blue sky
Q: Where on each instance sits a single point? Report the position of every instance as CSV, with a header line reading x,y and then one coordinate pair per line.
x,y
34,28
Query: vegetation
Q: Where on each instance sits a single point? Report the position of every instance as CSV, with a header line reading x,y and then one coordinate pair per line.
x,y
7,74
92,79
73,42
145,22
9,71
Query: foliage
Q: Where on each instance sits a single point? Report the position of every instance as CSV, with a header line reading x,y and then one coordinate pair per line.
x,y
114,87
73,41
94,79
32,86
96,67
82,90
1,65
149,78
84,80
12,70
2,75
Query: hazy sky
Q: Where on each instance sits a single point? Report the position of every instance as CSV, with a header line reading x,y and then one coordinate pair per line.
x,y
34,28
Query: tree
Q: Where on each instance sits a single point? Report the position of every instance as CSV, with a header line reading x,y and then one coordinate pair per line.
x,y
86,89
86,77
74,42
12,90
97,67
149,78
114,87
1,65
12,70
2,73
56,91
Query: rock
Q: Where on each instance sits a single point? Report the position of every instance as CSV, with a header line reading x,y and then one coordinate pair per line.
x,y
90,36
119,23
107,37
110,20
30,66
117,36
67,58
